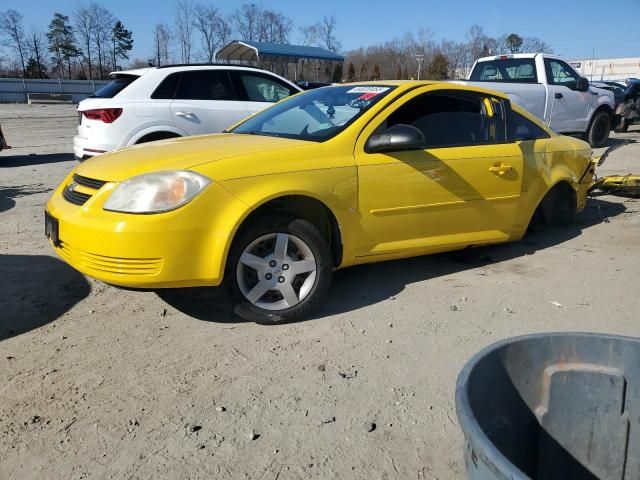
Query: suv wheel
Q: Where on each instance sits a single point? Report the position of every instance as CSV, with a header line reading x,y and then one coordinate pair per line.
x,y
280,270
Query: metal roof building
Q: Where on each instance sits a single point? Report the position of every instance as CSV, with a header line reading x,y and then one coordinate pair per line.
x,y
282,53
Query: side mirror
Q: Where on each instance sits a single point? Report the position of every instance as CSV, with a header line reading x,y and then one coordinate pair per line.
x,y
582,85
394,139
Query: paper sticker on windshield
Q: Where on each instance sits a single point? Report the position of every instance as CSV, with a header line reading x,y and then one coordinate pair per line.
x,y
368,92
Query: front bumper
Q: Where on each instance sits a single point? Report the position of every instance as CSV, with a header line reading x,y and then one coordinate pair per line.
x,y
183,248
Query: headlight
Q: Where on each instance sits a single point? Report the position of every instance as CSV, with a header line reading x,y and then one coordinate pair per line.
x,y
156,192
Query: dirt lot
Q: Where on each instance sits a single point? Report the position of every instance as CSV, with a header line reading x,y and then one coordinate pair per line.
x,y
101,382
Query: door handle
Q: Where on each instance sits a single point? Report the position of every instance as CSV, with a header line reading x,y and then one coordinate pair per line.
x,y
184,114
558,95
501,169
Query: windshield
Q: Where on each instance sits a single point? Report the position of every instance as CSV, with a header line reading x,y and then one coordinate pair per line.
x,y
114,87
316,115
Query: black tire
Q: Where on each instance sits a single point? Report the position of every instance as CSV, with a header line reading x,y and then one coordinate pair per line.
x,y
303,230
558,207
598,133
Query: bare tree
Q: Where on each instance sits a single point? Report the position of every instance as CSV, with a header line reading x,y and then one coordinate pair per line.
x,y
37,46
213,28
309,35
185,17
273,27
103,22
84,20
327,31
161,40
535,45
11,28
246,20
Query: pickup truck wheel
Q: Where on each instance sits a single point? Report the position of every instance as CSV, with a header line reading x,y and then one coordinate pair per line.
x,y
558,207
598,132
280,270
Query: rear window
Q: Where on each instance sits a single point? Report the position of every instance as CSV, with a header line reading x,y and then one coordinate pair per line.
x,y
520,70
114,87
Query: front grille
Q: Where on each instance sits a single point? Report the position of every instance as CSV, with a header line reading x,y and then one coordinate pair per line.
x,y
88,182
96,264
76,198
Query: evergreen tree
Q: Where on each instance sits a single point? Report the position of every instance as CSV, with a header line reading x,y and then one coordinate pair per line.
x,y
337,73
438,68
62,42
121,42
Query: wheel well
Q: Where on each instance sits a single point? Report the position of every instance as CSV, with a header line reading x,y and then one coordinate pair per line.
x,y
153,136
309,209
562,186
603,108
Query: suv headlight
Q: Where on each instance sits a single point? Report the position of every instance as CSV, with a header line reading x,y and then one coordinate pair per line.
x,y
156,192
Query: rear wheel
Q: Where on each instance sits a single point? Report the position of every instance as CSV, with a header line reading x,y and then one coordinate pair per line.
x,y
280,269
598,132
558,208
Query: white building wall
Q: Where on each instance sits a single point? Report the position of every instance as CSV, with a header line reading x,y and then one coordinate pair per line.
x,y
608,68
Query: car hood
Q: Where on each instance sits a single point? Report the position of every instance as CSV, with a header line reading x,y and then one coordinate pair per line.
x,y
179,154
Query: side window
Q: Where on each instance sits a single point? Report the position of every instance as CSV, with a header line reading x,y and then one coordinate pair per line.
x,y
167,88
449,120
560,73
205,85
261,88
524,129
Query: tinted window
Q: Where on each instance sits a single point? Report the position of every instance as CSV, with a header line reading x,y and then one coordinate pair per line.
x,y
522,70
205,85
560,73
261,88
452,120
525,129
114,87
167,88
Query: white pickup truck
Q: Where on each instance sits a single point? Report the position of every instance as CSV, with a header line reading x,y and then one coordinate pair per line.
x,y
548,87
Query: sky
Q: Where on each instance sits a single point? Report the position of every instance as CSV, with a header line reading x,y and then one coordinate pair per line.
x,y
573,28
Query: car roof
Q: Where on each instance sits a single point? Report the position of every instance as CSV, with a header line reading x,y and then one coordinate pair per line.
x,y
412,84
518,55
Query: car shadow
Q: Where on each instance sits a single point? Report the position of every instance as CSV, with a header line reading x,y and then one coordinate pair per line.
x,y
34,159
36,290
363,285
8,194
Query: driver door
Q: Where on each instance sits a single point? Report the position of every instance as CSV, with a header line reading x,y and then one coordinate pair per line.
x,y
462,189
569,107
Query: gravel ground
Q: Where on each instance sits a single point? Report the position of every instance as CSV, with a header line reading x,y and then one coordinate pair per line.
x,y
102,382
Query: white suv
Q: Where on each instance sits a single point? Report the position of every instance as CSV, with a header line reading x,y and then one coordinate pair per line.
x,y
150,104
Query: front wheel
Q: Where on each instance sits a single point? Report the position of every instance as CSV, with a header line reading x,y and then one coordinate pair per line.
x,y
598,132
280,269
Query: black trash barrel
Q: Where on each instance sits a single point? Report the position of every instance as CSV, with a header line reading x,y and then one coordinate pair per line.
x,y
552,406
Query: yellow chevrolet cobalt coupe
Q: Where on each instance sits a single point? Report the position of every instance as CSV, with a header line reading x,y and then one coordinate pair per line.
x,y
325,179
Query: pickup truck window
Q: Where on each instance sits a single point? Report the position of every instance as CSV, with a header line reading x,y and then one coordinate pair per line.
x,y
560,73
451,120
520,70
524,129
